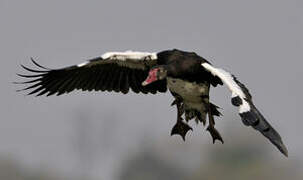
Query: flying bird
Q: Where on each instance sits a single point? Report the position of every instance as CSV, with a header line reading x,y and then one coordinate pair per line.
x,y
186,75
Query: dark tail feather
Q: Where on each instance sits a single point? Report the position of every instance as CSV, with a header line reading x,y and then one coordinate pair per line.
x,y
255,119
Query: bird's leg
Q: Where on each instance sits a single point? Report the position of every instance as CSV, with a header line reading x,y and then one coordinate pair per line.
x,y
211,127
180,128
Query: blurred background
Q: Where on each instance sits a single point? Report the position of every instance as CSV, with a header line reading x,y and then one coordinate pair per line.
x,y
110,136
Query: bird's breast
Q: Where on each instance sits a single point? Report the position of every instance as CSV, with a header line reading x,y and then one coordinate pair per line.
x,y
189,91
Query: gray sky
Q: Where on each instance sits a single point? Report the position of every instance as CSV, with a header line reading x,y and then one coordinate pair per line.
x,y
259,41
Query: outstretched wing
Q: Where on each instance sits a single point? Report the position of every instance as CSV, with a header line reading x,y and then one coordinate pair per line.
x,y
113,71
247,110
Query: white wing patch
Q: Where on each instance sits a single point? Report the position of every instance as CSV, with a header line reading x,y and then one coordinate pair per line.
x,y
83,64
228,79
250,115
131,59
129,55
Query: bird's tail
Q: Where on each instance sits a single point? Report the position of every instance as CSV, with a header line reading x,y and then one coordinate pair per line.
x,y
255,119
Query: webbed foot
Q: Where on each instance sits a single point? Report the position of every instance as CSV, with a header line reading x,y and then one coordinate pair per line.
x,y
214,134
180,128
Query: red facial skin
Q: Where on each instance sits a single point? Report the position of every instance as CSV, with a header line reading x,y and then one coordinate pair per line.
x,y
152,76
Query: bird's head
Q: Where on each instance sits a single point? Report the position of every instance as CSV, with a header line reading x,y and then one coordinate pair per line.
x,y
155,74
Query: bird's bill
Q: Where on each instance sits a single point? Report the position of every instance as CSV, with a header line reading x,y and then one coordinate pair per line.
x,y
152,76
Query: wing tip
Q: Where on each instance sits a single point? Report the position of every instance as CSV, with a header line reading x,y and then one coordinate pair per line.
x,y
283,150
37,64
255,119
280,146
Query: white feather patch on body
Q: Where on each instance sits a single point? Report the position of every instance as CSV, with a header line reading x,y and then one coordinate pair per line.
x,y
227,78
129,55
